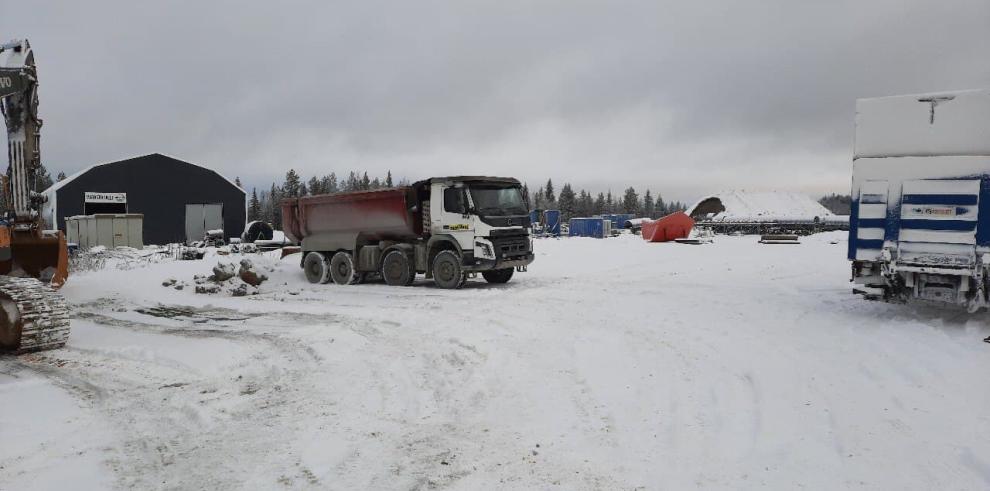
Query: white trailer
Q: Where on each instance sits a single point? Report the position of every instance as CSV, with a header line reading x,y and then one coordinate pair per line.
x,y
920,221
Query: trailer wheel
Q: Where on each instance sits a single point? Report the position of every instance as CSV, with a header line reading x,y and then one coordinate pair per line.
x,y
498,275
316,267
397,269
447,271
342,269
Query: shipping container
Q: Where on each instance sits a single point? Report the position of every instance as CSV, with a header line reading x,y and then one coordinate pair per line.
x,y
590,227
109,230
551,222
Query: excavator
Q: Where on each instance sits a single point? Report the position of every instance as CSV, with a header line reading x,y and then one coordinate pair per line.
x,y
33,260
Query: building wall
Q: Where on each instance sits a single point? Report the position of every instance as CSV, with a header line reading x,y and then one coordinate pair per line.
x,y
159,187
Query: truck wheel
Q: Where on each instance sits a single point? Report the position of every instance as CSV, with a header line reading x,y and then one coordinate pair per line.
x,y
447,271
498,275
316,268
342,269
397,269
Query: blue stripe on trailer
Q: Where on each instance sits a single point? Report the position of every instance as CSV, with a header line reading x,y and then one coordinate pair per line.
x,y
939,199
954,225
853,230
872,222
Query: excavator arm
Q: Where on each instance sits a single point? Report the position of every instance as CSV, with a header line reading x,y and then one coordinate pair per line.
x,y
19,105
33,316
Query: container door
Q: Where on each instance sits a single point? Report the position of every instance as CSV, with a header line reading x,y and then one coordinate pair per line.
x,y
872,221
213,216
120,231
104,231
938,222
92,236
195,223
135,231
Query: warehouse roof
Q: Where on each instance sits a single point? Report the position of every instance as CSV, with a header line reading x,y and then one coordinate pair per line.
x,y
58,185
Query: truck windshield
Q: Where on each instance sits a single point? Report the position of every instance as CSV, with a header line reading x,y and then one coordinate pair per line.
x,y
498,201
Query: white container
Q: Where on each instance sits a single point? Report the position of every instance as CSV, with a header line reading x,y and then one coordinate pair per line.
x,y
109,230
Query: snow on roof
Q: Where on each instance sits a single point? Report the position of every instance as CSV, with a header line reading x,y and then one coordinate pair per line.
x,y
763,206
58,185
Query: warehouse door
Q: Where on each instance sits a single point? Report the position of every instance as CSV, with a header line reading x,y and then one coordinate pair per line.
x,y
202,217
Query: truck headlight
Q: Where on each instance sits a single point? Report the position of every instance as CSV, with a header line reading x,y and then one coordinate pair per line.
x,y
484,249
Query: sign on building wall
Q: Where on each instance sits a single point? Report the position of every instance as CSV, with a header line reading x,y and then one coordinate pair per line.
x,y
91,197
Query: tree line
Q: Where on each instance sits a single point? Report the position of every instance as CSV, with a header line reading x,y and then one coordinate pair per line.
x,y
586,204
840,204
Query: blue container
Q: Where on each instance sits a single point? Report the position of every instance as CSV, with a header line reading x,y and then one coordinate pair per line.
x,y
551,222
534,217
588,227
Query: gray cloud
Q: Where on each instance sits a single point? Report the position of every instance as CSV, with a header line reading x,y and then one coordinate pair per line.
x,y
681,97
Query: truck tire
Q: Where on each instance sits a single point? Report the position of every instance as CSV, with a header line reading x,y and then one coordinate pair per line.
x,y
397,269
342,269
316,267
447,271
498,275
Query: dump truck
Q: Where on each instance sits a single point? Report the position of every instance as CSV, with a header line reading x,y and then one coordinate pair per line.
x,y
447,228
920,218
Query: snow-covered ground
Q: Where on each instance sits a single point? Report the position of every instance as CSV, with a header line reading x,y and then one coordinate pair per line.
x,y
611,364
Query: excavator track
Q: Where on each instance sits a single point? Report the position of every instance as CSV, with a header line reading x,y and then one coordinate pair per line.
x,y
33,316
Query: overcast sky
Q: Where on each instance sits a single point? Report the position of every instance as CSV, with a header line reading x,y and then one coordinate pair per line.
x,y
683,97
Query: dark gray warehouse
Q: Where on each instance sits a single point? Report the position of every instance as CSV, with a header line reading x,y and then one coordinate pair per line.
x,y
180,200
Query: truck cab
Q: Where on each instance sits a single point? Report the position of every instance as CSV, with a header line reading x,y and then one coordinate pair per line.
x,y
485,218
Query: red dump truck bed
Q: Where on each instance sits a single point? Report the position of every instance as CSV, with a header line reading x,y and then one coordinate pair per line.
x,y
382,215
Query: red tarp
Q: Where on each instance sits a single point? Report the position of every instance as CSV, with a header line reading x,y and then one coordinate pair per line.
x,y
674,226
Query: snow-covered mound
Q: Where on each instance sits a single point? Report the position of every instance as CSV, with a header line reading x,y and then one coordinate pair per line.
x,y
767,206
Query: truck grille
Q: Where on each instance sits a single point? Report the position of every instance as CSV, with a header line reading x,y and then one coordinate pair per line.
x,y
511,246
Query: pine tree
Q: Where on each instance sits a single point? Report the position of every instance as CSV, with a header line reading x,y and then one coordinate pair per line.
x,y
302,190
275,207
567,202
61,176
548,193
586,204
329,183
376,183
600,204
660,208
315,186
388,179
648,205
365,182
254,206
539,202
290,188
237,182
630,202
41,179
353,183
609,204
